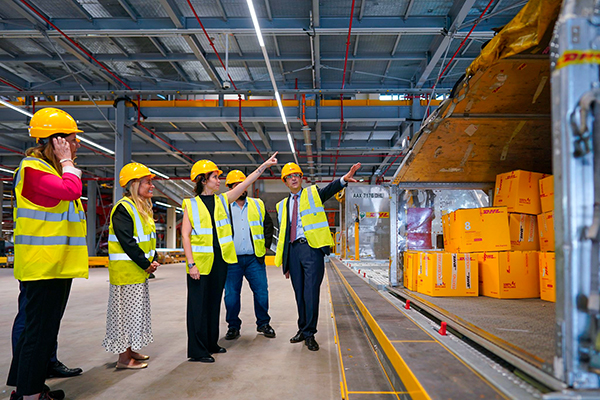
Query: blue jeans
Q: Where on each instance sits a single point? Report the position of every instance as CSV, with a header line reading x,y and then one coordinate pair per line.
x,y
256,274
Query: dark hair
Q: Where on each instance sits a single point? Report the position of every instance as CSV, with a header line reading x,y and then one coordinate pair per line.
x,y
200,181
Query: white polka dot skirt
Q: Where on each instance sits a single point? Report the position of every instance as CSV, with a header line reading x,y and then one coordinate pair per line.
x,y
128,318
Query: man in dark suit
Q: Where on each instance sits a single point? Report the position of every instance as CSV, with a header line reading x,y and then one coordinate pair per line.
x,y
304,240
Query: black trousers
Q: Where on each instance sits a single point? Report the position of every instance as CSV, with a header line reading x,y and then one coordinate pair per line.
x,y
307,267
46,302
204,309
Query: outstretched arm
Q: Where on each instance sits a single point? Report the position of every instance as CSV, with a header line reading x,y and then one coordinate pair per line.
x,y
237,191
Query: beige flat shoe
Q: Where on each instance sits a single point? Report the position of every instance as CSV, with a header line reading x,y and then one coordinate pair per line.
x,y
134,366
140,357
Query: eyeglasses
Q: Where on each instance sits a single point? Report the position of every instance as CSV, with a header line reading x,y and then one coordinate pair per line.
x,y
293,176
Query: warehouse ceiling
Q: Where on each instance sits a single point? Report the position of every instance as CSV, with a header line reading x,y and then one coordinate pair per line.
x,y
167,56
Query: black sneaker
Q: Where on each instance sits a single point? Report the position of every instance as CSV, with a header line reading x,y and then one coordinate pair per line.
x,y
232,333
267,330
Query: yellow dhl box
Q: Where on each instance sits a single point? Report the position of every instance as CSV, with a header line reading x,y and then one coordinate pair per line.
x,y
547,276
524,234
509,274
449,274
546,229
411,267
547,193
519,191
478,230
446,229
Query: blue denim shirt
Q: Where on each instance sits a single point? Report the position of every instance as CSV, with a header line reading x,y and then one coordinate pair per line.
x,y
241,229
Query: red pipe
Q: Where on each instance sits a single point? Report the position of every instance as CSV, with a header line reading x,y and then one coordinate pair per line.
x,y
7,83
343,85
11,150
75,43
211,42
304,110
353,155
465,39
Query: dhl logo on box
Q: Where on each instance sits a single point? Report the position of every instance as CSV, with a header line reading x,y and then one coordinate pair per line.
x,y
448,274
476,230
509,274
519,191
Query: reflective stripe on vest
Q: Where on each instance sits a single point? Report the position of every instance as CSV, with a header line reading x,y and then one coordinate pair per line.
x,y
256,210
122,270
201,237
313,218
50,242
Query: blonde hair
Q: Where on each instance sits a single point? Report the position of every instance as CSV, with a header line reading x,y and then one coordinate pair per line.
x,y
45,152
144,206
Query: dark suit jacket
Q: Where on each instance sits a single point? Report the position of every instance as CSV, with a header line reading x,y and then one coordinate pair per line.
x,y
268,228
326,193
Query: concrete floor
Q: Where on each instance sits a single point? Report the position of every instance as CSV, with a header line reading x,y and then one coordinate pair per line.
x,y
254,367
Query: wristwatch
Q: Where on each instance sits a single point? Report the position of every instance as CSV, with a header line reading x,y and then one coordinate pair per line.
x,y
191,265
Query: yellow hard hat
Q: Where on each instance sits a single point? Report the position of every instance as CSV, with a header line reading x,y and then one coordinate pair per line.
x,y
133,171
49,121
235,176
290,168
203,167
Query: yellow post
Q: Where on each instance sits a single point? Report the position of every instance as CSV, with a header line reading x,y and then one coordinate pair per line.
x,y
356,234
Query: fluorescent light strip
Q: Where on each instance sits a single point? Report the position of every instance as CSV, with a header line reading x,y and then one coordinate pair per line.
x,y
280,105
158,173
7,170
7,104
104,149
160,203
255,22
291,143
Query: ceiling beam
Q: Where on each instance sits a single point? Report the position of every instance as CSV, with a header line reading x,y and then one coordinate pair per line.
x,y
172,11
268,8
200,54
221,10
237,139
163,51
81,10
161,145
263,135
457,15
129,9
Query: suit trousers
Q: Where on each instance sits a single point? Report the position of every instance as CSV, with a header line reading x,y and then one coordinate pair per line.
x,y
46,303
307,268
204,309
19,323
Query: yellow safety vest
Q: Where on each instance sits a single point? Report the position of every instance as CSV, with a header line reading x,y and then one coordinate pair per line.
x,y
121,269
202,234
50,242
313,218
256,212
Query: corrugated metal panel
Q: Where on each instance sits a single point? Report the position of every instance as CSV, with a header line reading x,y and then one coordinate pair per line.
x,y
99,45
8,47
148,9
385,8
339,8
195,71
24,46
295,44
412,43
104,8
431,7
480,5
375,44
335,43
57,8
204,8
402,70
126,69
137,45
239,8
249,44
236,70
175,44
292,8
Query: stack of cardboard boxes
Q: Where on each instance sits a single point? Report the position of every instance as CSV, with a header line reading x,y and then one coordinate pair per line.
x,y
492,251
546,227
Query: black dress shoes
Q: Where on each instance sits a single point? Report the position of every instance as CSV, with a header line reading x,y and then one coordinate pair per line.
x,y
298,338
220,350
232,333
311,343
205,359
267,330
57,369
